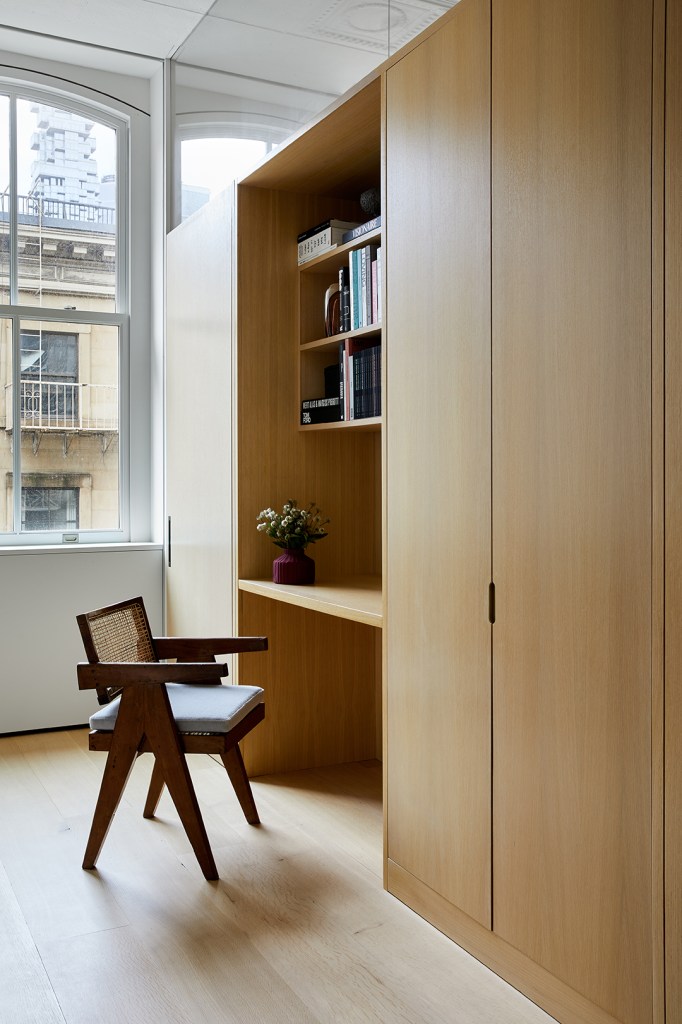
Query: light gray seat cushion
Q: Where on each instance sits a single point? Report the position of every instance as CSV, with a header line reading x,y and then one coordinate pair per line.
x,y
196,708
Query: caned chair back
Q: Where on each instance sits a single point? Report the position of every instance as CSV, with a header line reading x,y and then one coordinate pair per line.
x,y
120,632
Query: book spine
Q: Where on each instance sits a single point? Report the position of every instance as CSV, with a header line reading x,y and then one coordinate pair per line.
x,y
320,403
363,320
345,298
342,226
361,359
352,274
325,414
317,244
380,277
375,295
361,229
342,382
313,231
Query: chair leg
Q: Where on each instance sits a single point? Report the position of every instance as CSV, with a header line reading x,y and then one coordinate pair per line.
x,y
122,755
156,785
234,765
164,741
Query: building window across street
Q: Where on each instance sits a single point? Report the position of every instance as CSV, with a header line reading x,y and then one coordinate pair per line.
x,y
49,508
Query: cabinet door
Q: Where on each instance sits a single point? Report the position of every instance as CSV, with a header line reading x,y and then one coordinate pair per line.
x,y
199,581
571,180
438,461
673,518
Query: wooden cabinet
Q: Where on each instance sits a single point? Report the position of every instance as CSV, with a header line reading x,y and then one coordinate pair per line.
x,y
672,314
322,673
524,804
438,502
572,471
527,472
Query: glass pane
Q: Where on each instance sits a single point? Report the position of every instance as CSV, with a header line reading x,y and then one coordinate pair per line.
x,y
208,166
66,175
6,499
69,407
4,199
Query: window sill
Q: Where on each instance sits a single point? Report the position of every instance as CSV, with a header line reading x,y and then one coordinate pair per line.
x,y
42,549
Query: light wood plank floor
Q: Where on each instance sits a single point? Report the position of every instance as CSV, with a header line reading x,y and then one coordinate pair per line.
x,y
298,929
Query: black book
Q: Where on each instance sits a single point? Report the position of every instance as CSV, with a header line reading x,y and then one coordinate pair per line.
x,y
342,382
344,292
326,412
361,229
331,381
321,403
331,223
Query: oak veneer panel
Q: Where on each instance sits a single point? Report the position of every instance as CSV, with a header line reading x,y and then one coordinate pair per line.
x,y
337,156
340,470
320,673
566,1005
572,648
673,633
318,677
438,461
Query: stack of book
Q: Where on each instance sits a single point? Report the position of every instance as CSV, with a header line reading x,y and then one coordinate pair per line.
x,y
322,238
327,409
359,379
360,288
320,410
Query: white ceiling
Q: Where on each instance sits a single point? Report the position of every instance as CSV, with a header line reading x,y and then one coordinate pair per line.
x,y
322,45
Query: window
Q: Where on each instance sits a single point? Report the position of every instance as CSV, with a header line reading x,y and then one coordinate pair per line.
x,y
49,378
63,317
49,508
209,165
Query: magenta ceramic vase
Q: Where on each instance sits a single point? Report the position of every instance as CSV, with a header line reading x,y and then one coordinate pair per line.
x,y
293,566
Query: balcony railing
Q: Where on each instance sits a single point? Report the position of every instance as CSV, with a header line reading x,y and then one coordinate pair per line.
x,y
50,405
60,213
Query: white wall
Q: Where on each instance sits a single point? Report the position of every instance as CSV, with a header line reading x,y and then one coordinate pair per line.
x,y
43,589
42,592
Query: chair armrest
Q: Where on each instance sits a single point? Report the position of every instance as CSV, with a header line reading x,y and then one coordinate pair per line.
x,y
202,648
120,674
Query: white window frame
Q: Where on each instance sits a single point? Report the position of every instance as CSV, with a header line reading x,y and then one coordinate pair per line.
x,y
132,312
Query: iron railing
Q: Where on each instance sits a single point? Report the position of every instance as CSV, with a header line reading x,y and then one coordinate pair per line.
x,y
60,212
52,405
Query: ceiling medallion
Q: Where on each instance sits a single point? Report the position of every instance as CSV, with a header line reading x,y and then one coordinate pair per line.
x,y
372,26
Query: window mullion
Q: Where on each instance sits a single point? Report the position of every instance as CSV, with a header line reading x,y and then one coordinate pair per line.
x,y
13,203
16,424
13,298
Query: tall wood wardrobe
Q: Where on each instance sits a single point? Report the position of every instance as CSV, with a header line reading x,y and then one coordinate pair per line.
x,y
533,496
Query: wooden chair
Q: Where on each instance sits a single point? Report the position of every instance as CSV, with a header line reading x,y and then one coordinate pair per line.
x,y
168,709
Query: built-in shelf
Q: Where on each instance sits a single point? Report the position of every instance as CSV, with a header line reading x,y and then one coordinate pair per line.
x,y
364,423
332,341
333,259
358,599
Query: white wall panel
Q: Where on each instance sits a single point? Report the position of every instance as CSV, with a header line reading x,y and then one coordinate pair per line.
x,y
40,644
